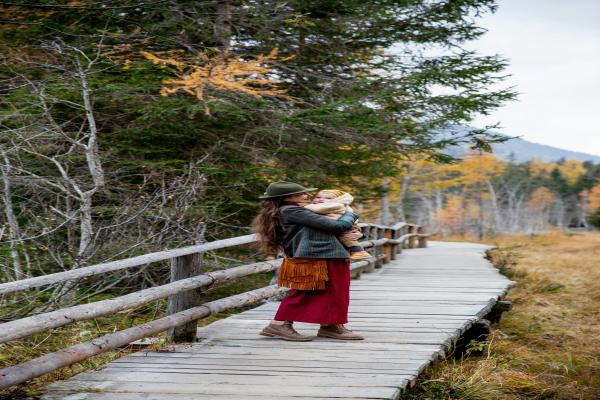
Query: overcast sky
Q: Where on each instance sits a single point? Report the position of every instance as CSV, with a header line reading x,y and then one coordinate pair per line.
x,y
554,51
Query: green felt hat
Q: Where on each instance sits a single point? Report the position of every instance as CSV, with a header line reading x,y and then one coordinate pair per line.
x,y
279,189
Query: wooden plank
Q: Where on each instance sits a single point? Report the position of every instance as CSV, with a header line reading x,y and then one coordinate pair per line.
x,y
249,363
404,356
253,330
268,315
257,389
416,310
176,377
231,323
438,282
401,288
379,337
323,345
66,395
195,373
420,302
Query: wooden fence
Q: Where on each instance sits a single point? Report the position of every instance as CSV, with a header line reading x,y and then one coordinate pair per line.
x,y
184,307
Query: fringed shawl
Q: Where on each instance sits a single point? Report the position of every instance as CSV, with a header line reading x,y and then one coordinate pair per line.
x,y
303,273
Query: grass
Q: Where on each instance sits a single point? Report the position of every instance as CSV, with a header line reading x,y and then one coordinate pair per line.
x,y
548,346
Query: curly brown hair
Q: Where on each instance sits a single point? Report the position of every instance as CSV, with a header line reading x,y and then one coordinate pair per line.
x,y
268,224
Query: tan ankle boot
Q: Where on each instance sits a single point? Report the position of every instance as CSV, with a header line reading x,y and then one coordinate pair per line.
x,y
285,332
338,332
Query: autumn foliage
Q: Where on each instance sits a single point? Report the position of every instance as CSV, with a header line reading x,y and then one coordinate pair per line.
x,y
195,76
481,194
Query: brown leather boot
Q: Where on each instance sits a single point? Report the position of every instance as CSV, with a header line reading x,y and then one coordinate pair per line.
x,y
338,332
285,332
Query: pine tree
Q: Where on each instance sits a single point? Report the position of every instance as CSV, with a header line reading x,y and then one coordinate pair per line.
x,y
347,96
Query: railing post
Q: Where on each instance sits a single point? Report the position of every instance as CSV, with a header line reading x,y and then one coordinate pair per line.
x,y
422,239
396,248
181,268
379,250
388,248
370,234
412,239
405,232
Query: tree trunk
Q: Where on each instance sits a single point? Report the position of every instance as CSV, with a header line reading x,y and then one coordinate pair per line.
x,y
403,190
495,210
222,31
480,225
87,230
385,217
14,231
91,148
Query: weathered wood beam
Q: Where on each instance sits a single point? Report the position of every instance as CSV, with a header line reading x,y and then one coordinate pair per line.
x,y
381,242
412,231
379,251
181,268
388,247
361,264
372,243
49,362
422,237
37,323
122,264
399,225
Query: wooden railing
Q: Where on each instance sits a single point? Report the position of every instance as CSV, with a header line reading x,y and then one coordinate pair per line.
x,y
184,309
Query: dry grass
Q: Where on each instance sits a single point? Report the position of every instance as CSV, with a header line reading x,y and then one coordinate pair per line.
x,y
548,346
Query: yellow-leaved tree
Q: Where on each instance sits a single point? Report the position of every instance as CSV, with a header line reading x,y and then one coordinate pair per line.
x,y
594,197
479,168
469,180
591,199
476,173
571,170
451,218
538,167
195,76
539,208
541,198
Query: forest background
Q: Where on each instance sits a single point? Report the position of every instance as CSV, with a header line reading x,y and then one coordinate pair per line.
x,y
129,127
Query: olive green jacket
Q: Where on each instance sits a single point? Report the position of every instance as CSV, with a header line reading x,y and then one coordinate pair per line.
x,y
310,235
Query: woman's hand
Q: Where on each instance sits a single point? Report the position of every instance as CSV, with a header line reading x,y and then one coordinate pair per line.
x,y
351,235
348,208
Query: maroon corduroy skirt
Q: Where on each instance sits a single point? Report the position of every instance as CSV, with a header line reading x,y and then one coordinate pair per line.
x,y
326,307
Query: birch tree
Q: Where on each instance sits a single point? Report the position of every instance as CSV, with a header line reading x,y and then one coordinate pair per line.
x,y
17,252
56,142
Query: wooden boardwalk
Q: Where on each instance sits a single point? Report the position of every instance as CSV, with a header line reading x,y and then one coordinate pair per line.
x,y
411,311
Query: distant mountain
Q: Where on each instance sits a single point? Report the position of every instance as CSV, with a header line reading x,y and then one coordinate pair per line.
x,y
521,150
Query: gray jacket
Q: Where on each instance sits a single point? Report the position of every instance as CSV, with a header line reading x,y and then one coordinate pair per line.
x,y
310,235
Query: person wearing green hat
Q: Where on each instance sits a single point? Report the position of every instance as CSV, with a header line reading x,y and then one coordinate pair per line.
x,y
316,265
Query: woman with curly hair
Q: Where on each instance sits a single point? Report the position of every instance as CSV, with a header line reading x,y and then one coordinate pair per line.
x,y
316,265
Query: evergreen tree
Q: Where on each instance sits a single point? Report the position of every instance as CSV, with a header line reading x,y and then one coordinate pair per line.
x,y
351,89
